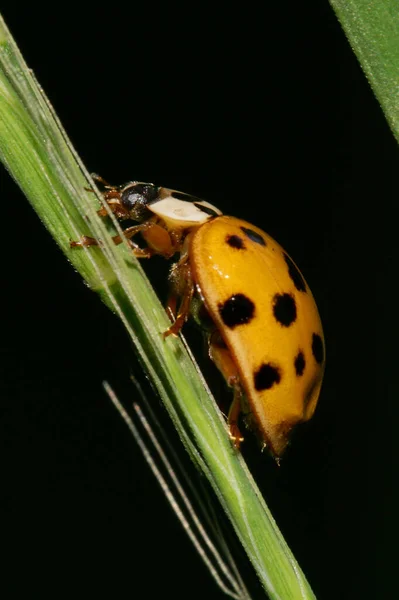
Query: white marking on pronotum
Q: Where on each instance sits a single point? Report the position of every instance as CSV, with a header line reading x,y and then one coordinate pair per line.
x,y
182,214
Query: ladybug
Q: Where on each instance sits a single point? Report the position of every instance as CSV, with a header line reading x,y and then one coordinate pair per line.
x,y
261,320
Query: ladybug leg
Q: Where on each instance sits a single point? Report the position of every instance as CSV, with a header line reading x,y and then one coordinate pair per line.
x,y
112,196
232,417
101,180
183,286
85,241
131,232
113,199
171,307
221,356
128,233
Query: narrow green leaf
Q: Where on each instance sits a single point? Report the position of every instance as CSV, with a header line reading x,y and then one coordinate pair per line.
x,y
372,29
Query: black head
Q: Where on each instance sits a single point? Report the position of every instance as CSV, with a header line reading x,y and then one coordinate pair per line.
x,y
135,197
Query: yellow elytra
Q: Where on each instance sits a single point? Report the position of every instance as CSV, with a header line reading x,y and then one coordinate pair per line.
x,y
265,333
268,319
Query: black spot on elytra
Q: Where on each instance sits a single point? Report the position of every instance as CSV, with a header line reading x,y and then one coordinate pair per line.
x,y
295,274
237,310
317,348
254,236
235,242
284,309
299,363
266,376
206,209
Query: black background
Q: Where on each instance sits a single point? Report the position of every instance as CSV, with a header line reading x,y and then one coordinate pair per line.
x,y
268,116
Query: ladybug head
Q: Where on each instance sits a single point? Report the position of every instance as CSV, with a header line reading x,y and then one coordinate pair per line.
x,y
136,197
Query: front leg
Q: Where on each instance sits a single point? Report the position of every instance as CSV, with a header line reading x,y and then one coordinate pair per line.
x,y
112,196
128,233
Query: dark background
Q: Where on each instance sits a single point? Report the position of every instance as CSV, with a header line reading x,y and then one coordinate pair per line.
x,y
269,117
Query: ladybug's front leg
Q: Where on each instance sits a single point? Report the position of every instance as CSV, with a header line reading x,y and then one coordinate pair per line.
x,y
112,196
128,233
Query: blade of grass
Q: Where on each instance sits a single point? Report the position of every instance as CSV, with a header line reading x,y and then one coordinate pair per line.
x,y
372,29
37,154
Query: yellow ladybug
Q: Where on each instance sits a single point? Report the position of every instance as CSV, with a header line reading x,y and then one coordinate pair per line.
x,y
266,336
